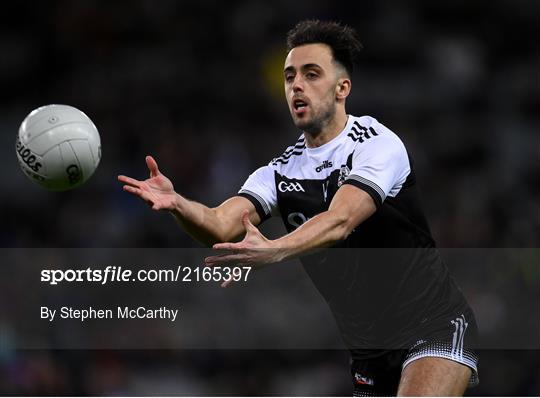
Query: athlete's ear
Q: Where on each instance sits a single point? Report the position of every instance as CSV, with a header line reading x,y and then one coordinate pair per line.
x,y
343,88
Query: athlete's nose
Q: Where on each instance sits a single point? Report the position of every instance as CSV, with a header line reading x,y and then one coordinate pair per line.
x,y
298,84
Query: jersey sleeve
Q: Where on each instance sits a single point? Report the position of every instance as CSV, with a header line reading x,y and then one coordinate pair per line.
x,y
260,189
380,165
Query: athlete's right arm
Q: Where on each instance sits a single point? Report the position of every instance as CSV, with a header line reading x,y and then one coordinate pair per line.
x,y
207,225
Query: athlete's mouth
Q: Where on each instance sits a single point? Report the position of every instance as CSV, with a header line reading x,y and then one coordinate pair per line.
x,y
299,105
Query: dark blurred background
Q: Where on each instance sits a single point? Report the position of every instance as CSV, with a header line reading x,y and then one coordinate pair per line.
x,y
198,84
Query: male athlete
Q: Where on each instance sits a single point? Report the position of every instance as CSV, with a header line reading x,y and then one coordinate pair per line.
x,y
347,183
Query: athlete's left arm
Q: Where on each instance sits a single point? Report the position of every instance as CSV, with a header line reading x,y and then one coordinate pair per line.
x,y
349,207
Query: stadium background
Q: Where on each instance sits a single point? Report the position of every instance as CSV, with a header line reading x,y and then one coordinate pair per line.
x,y
198,85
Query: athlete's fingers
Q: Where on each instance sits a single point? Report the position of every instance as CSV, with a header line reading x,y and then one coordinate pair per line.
x,y
224,259
221,259
226,283
129,181
140,193
133,190
152,166
226,246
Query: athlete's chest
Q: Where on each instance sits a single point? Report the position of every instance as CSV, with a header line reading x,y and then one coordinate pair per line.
x,y
307,187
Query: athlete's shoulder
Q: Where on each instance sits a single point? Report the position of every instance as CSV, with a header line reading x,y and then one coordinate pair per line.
x,y
367,131
364,128
292,153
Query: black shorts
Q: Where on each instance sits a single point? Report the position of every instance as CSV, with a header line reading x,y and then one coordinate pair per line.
x,y
380,375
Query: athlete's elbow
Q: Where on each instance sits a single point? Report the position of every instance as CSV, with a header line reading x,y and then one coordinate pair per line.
x,y
218,229
342,228
341,234
222,235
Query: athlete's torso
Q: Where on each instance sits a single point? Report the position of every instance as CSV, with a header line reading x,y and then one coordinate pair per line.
x,y
397,279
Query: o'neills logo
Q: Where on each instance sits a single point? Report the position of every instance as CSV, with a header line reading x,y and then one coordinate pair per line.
x,y
325,165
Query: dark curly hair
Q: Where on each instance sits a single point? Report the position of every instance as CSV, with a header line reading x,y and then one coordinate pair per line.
x,y
342,40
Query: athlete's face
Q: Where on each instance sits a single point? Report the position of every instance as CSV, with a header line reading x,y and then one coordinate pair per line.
x,y
311,77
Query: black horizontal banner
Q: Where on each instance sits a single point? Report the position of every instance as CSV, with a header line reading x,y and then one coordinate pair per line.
x,y
168,299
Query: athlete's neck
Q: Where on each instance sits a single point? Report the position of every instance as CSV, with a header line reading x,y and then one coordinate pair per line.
x,y
329,132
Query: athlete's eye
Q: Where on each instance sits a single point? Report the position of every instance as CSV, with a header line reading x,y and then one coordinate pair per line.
x,y
289,78
311,75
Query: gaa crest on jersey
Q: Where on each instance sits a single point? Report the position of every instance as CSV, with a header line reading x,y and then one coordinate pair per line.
x,y
343,174
345,170
291,186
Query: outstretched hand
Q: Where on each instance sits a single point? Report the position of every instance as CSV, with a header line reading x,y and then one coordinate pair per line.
x,y
157,191
254,250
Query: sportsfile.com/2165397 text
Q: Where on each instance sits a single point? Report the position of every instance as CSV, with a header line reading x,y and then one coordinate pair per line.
x,y
183,274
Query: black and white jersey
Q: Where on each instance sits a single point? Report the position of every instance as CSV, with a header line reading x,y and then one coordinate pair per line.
x,y
302,182
406,284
